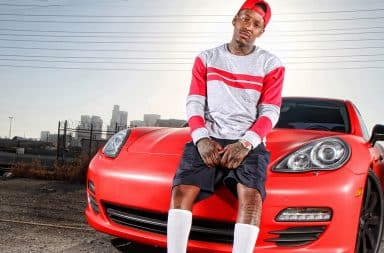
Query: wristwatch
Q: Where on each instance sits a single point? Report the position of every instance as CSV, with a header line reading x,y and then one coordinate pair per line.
x,y
246,144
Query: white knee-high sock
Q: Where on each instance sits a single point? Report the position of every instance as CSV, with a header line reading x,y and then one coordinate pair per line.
x,y
244,238
178,228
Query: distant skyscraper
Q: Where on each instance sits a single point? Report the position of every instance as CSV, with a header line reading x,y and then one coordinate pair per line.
x,y
83,131
115,116
97,127
123,119
151,119
118,121
53,139
85,124
85,121
44,136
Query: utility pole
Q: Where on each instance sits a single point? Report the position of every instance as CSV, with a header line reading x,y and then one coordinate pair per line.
x,y
58,143
10,126
90,141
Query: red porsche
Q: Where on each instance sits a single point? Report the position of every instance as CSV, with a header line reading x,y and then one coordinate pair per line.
x,y
324,185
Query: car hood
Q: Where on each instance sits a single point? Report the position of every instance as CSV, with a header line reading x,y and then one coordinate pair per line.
x,y
170,141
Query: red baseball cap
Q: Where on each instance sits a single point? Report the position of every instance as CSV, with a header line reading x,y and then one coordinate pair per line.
x,y
251,5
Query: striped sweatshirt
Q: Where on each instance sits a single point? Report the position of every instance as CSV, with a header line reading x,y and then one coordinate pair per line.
x,y
234,97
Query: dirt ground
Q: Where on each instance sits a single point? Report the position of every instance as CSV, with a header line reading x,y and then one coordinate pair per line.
x,y
48,216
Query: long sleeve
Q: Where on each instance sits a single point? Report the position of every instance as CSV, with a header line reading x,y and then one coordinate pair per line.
x,y
196,101
268,107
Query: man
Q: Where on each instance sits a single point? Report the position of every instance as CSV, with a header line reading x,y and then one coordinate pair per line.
x,y
233,103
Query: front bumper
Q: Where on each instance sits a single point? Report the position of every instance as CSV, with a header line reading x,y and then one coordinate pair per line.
x,y
339,190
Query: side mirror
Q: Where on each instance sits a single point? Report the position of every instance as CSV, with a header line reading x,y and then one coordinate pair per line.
x,y
377,134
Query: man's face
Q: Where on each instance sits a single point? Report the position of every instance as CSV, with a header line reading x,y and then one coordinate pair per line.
x,y
248,25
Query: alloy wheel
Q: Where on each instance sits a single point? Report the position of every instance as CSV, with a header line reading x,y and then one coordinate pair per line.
x,y
371,217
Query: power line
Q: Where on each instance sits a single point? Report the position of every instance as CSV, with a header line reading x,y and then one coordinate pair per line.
x,y
189,32
332,48
146,35
175,58
107,32
109,16
171,63
113,22
180,21
95,57
107,36
333,56
99,50
176,70
93,62
326,34
173,15
107,42
332,11
182,51
339,61
30,5
140,42
337,68
87,68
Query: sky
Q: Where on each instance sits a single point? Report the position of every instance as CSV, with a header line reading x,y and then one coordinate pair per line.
x,y
60,59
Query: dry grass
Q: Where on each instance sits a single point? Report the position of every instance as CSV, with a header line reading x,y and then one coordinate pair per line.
x,y
75,171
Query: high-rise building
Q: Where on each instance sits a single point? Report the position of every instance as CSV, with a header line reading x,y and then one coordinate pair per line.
x,y
118,121
123,119
85,121
83,127
97,127
83,131
151,119
44,136
115,116
53,139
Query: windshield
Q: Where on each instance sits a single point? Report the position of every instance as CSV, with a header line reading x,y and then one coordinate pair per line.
x,y
314,114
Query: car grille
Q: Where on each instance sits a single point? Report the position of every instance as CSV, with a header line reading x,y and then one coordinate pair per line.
x,y
202,230
296,236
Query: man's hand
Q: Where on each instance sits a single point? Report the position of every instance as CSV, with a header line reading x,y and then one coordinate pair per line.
x,y
234,154
210,151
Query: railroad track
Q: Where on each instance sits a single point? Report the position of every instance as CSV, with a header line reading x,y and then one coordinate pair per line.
x,y
64,226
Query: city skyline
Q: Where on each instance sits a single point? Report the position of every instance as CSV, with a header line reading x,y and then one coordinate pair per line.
x,y
73,58
98,124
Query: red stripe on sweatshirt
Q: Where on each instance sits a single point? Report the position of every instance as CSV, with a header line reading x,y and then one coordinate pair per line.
x,y
234,76
196,122
235,84
272,87
262,126
199,75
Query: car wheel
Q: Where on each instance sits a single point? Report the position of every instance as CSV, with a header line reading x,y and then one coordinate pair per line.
x,y
371,217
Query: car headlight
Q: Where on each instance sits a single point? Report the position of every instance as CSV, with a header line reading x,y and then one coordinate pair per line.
x,y
114,144
323,154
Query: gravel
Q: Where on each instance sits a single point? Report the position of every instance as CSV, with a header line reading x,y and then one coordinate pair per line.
x,y
48,216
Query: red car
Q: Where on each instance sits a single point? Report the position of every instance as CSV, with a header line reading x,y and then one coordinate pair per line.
x,y
324,185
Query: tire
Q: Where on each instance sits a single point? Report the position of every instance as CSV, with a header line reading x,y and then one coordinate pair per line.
x,y
371,217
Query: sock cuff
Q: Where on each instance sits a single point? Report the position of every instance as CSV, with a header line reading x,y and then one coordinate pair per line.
x,y
247,226
180,212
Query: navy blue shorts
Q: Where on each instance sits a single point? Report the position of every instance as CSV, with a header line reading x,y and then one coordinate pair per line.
x,y
251,172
